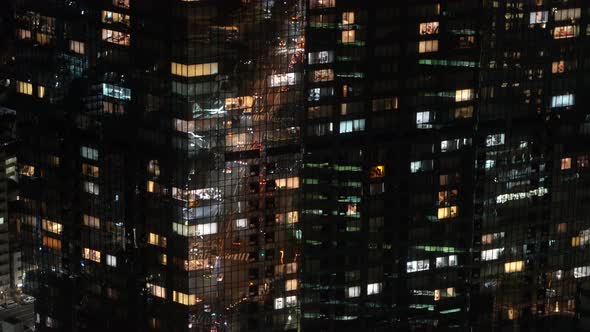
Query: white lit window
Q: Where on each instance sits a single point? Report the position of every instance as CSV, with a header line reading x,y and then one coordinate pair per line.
x,y
111,260
283,79
562,100
421,166
495,139
321,57
88,153
539,17
446,261
352,126
416,266
291,301
491,254
241,223
581,272
424,118
374,288
115,91
354,291
279,303
91,188
207,229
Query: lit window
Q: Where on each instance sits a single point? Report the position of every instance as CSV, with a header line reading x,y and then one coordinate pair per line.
x,y
291,301
52,226
348,36
51,243
377,172
353,291
511,267
90,170
581,272
352,126
279,303
91,254
241,223
566,163
91,188
27,170
115,91
424,119
446,261
183,298
374,288
348,18
43,38
421,166
278,80
91,221
23,34
567,31
291,285
427,46
448,212
112,17
428,28
314,4
156,290
492,237
416,266
558,67
463,95
157,240
539,17
196,70
322,75
40,91
495,139
562,100
321,57
567,14
88,153
77,47
111,260
24,88
116,37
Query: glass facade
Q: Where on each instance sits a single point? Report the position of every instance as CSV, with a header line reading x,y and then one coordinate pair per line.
x,y
317,165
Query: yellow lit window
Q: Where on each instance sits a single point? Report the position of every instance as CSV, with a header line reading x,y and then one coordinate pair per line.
x,y
51,243
183,298
40,91
291,285
566,163
27,170
91,254
202,69
237,103
90,170
91,221
567,31
157,240
377,172
288,183
348,18
116,37
427,46
463,95
511,267
348,36
77,47
112,17
322,75
558,67
156,290
163,259
43,38
448,212
24,88
52,226
23,34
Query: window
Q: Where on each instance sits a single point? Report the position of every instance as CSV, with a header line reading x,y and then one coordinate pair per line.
x,y
91,221
348,18
315,4
206,229
291,285
77,47
562,101
112,17
241,223
111,260
24,88
446,261
421,166
196,70
40,91
278,80
448,212
51,243
442,293
495,139
291,301
90,170
114,91
91,254
374,288
424,119
416,266
384,104
287,183
88,153
352,126
279,303
157,240
23,34
427,46
321,57
492,237
539,17
52,226
43,38
116,37
91,188
354,291
156,290
511,267
348,36
566,163
558,67
567,31
322,75
463,95
567,14
377,172
183,298
428,28
581,272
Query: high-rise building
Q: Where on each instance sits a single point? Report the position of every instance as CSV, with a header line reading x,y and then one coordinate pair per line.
x,y
317,165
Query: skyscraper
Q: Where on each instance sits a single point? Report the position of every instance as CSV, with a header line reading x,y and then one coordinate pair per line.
x,y
318,165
